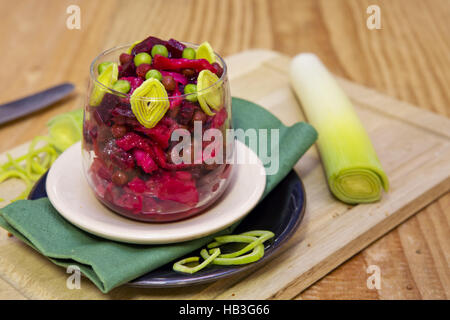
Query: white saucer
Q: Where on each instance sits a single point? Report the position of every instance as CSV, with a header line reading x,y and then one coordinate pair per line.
x,y
70,194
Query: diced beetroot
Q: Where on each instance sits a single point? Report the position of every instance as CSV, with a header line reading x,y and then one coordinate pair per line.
x,y
127,70
89,131
186,112
137,185
100,188
146,45
122,159
100,169
142,70
102,112
161,160
152,186
219,118
183,191
125,57
219,69
132,140
175,48
163,63
175,99
129,201
119,112
149,205
183,175
135,82
110,192
160,133
145,161
168,122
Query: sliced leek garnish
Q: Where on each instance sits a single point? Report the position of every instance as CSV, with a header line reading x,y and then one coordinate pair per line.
x,y
205,51
255,255
262,237
106,78
210,91
255,240
149,102
180,265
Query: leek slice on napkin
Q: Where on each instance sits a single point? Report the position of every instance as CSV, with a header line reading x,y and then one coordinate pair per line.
x,y
352,168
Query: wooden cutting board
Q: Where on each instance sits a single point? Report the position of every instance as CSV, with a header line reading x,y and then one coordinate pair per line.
x,y
413,146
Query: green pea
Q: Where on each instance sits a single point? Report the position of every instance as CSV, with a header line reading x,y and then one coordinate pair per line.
x,y
153,73
190,90
122,86
160,49
141,58
102,66
188,53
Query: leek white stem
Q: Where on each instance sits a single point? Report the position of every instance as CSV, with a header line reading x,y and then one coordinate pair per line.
x,y
352,168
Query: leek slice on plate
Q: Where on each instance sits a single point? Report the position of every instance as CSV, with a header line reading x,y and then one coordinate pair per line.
x,y
352,168
65,129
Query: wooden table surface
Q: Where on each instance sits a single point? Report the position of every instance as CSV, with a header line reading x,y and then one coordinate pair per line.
x,y
408,58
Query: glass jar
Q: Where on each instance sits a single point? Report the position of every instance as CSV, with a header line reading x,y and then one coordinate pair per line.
x,y
136,171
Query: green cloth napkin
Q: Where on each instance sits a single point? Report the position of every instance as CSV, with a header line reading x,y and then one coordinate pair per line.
x,y
109,264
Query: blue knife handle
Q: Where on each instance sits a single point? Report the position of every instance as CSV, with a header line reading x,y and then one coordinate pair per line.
x,y
19,108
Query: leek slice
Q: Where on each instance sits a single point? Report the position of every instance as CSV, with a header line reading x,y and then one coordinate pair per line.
x,y
352,168
209,92
255,238
243,237
65,129
149,102
255,255
106,78
205,51
180,265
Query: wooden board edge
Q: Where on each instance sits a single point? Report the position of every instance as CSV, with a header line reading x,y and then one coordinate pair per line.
x,y
296,287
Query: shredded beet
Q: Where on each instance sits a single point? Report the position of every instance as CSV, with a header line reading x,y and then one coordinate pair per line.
x,y
178,77
137,185
179,190
145,161
163,63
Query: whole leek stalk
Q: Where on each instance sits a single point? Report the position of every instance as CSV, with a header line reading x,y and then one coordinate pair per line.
x,y
352,168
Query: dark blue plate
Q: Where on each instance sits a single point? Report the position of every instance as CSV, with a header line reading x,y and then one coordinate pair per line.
x,y
280,212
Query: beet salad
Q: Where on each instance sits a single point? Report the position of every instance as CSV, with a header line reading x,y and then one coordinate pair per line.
x,y
139,95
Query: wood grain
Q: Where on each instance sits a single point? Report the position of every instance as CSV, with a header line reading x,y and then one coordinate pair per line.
x,y
407,59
